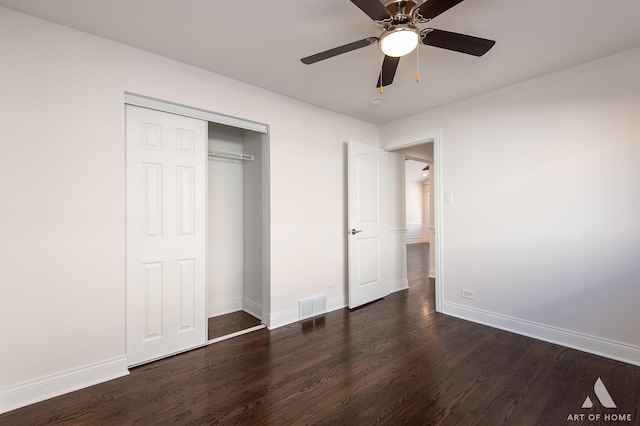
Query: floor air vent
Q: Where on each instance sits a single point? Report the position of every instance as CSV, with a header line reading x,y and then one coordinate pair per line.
x,y
311,307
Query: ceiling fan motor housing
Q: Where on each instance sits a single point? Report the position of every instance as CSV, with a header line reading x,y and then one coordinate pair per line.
x,y
403,11
398,7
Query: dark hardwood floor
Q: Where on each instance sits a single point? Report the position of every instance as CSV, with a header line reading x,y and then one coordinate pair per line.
x,y
223,325
395,361
418,263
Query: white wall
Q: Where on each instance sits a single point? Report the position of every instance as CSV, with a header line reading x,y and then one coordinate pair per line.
x,y
397,238
62,229
414,214
551,236
252,302
546,187
417,211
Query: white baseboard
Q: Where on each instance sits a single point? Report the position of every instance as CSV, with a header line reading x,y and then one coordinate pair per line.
x,y
594,345
337,302
283,318
432,273
252,308
399,285
58,384
224,307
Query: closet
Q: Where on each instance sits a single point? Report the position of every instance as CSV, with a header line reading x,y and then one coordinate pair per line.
x,y
197,227
235,211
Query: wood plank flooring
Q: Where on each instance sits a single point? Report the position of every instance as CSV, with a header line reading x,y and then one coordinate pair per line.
x,y
223,325
418,263
395,362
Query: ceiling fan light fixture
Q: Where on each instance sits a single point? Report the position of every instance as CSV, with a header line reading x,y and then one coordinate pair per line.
x,y
399,41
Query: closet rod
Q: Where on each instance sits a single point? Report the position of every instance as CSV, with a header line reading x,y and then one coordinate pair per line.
x,y
232,155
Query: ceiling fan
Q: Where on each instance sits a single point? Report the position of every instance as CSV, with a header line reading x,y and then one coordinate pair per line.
x,y
401,35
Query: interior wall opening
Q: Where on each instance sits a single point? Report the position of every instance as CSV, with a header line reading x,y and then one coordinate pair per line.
x,y
416,163
419,209
418,216
235,208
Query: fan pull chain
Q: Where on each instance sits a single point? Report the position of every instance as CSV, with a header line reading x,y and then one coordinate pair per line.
x,y
418,64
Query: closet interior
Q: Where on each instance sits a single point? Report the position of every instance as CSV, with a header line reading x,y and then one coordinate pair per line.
x,y
235,230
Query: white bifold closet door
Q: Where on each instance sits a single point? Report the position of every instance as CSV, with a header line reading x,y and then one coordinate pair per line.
x,y
166,160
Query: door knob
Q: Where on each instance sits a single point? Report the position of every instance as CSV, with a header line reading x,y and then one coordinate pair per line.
x,y
354,231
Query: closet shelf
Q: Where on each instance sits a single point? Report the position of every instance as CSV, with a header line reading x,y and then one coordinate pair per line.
x,y
231,155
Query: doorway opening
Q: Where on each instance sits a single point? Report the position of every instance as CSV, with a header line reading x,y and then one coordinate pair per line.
x,y
235,208
425,148
418,215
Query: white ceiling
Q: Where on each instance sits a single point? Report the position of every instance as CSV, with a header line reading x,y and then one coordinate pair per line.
x,y
261,42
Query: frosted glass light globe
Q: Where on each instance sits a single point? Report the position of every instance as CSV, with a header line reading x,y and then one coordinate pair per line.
x,y
399,42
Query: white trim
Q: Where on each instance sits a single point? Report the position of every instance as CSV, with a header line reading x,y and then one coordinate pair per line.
x,y
399,285
583,342
417,237
432,234
252,308
417,139
283,318
173,108
437,242
224,307
59,384
435,137
397,231
237,333
338,302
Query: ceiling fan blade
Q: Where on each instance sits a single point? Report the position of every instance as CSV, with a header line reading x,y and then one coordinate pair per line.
x,y
338,50
433,8
389,67
373,8
462,43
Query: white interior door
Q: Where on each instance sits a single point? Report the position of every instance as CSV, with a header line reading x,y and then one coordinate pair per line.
x,y
367,213
166,160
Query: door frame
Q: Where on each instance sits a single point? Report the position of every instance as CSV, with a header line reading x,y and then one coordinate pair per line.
x,y
435,137
210,116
